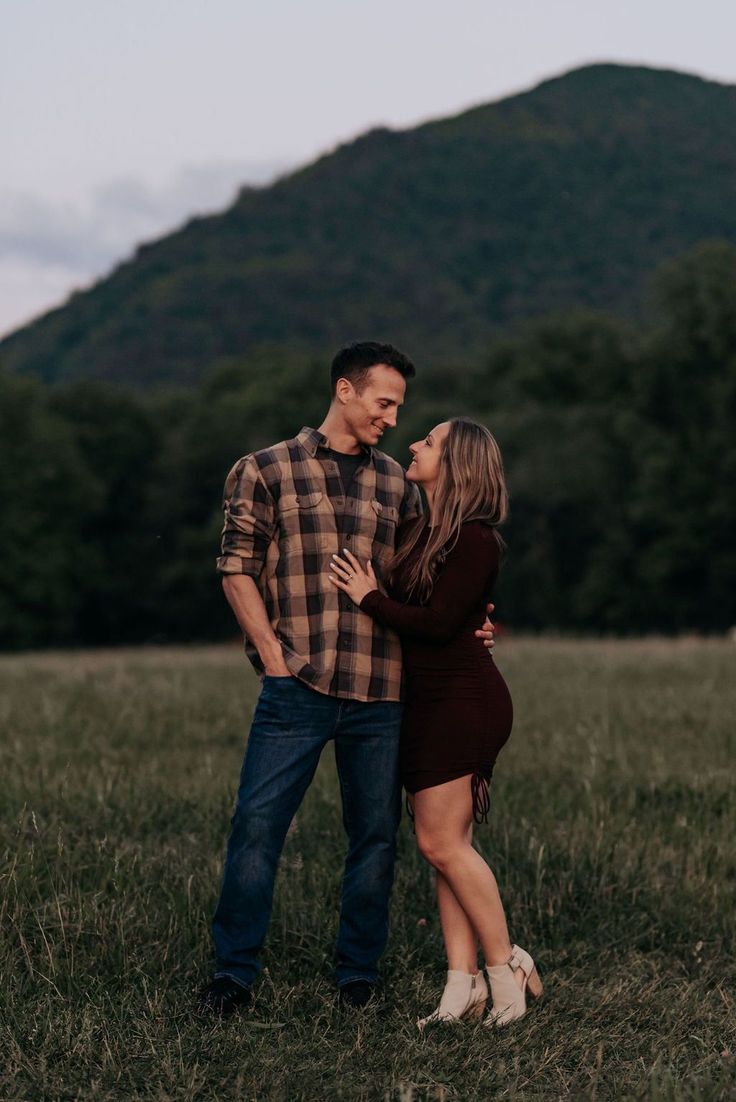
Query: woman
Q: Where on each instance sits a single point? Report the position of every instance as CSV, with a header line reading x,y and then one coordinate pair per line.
x,y
458,710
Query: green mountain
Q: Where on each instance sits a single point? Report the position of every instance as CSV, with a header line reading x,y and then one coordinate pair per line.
x,y
565,196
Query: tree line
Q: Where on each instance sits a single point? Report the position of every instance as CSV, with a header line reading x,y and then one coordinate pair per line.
x,y
619,441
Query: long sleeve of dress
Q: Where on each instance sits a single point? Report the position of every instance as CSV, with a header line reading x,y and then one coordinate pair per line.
x,y
459,588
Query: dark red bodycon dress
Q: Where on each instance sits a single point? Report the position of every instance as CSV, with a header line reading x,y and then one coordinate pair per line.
x,y
458,709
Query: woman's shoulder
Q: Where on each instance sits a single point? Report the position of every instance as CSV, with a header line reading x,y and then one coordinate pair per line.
x,y
477,535
478,530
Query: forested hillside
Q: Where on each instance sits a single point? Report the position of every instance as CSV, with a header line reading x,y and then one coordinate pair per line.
x,y
567,196
620,442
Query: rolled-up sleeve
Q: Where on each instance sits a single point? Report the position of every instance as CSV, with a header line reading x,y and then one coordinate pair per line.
x,y
250,520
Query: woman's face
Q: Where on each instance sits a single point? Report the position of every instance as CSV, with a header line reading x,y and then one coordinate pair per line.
x,y
425,465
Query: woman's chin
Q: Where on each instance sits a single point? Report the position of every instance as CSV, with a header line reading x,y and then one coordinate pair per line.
x,y
411,473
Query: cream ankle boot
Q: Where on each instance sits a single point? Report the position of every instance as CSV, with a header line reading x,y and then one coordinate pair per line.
x,y
509,998
464,997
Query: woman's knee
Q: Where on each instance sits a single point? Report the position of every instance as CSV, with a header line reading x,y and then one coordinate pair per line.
x,y
437,848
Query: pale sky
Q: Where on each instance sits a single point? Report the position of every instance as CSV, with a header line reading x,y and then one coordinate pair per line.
x,y
119,118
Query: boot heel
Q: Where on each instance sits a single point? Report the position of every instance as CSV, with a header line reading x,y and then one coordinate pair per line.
x,y
534,985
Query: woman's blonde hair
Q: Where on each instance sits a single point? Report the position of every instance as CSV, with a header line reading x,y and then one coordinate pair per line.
x,y
471,485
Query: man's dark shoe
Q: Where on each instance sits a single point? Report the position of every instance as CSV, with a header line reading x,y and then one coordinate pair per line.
x,y
223,997
356,994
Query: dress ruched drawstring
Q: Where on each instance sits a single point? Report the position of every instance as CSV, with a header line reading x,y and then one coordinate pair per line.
x,y
481,795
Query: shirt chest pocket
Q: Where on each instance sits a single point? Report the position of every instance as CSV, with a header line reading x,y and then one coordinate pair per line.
x,y
306,523
384,520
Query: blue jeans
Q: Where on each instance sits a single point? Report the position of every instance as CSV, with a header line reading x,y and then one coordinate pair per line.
x,y
291,725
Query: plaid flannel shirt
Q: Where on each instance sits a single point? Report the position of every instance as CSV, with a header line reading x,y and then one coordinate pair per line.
x,y
286,513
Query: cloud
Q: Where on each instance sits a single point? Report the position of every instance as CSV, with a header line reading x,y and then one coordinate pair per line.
x,y
49,249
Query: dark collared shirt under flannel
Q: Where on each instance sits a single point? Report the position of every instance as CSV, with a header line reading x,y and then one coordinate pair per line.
x,y
286,514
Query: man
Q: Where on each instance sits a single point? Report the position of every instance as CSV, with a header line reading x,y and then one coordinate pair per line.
x,y
329,671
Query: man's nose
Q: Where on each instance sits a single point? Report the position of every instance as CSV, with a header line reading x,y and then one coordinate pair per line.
x,y
390,419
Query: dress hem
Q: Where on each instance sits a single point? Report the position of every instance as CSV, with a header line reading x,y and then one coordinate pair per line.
x,y
479,787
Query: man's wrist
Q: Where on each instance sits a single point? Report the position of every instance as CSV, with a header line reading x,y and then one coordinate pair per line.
x,y
271,654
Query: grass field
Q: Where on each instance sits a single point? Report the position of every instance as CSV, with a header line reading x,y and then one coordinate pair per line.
x,y
612,835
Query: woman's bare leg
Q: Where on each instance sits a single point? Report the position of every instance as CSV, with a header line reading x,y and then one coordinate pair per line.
x,y
443,820
461,942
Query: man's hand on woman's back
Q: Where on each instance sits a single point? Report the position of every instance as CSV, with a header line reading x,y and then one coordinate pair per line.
x,y
486,632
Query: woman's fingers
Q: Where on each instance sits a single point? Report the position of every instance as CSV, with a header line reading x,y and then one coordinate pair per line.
x,y
350,566
341,564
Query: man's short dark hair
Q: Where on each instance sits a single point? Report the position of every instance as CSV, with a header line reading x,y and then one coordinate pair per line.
x,y
354,361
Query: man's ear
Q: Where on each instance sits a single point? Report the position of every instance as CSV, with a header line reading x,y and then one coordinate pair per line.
x,y
344,391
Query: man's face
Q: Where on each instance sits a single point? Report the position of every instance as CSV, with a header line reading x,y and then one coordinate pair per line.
x,y
373,410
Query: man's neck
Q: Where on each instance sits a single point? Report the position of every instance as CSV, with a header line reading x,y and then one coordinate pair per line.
x,y
339,436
